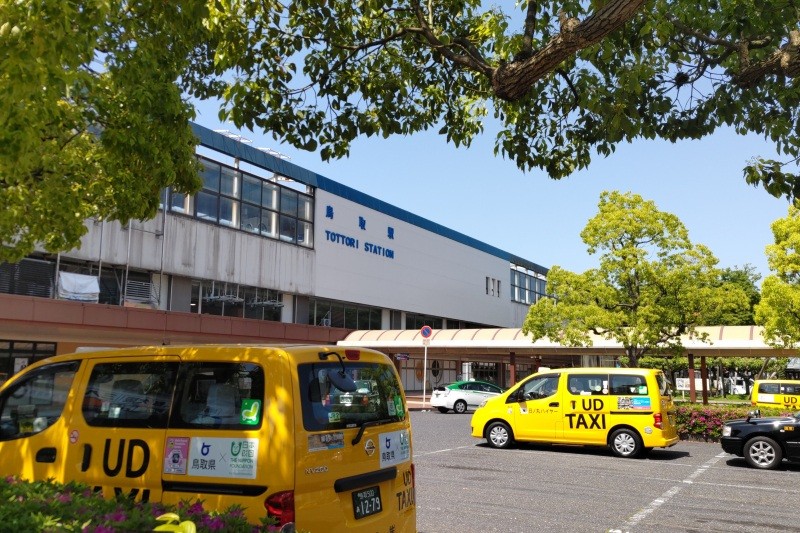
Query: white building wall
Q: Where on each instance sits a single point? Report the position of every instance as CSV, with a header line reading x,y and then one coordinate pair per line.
x,y
414,270
203,251
423,272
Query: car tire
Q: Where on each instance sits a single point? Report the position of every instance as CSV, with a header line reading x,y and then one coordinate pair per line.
x,y
763,452
499,435
460,407
443,410
626,442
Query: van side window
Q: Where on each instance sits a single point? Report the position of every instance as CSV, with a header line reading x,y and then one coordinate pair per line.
x,y
132,395
769,388
587,384
220,396
625,385
540,387
790,388
35,403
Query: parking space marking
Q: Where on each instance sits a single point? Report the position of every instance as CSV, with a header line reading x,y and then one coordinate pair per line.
x,y
442,451
668,495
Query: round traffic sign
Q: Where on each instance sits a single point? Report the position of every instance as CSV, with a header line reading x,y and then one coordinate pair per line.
x,y
426,332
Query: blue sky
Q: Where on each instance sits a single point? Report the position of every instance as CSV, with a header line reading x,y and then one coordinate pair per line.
x,y
472,191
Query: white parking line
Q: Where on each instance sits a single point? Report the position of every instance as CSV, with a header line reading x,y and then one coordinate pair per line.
x,y
443,451
667,496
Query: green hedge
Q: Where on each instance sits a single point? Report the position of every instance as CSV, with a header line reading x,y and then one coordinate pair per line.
x,y
704,422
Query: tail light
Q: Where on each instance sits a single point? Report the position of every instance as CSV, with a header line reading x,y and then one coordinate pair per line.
x,y
658,421
352,355
280,506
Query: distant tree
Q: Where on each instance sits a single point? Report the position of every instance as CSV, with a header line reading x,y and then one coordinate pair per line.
x,y
779,309
745,278
652,286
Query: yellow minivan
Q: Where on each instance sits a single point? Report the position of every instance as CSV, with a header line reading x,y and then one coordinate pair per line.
x,y
778,393
316,437
630,410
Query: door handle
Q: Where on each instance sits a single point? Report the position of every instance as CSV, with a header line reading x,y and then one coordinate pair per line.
x,y
87,457
553,404
46,455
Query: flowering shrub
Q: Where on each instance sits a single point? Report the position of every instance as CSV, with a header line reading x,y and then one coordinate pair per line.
x,y
705,421
53,507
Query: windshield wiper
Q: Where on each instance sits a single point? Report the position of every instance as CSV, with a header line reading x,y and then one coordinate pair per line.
x,y
367,424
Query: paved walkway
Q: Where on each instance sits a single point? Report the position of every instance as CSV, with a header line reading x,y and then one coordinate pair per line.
x,y
414,401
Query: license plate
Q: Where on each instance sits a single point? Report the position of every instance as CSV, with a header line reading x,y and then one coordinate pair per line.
x,y
367,502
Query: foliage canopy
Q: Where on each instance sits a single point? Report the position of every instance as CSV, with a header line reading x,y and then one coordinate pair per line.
x,y
779,309
652,285
94,95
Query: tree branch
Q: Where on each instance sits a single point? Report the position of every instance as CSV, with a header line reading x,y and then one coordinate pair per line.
x,y
513,80
785,60
468,60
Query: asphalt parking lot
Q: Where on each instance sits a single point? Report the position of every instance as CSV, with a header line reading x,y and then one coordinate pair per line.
x,y
465,486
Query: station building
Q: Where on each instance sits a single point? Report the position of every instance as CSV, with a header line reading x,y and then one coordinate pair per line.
x,y
267,251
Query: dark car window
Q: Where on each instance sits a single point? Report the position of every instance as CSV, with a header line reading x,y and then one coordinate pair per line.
x,y
34,403
769,388
540,387
624,385
587,384
218,395
129,394
377,396
791,388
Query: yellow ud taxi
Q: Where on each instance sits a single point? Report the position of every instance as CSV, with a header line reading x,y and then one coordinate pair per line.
x,y
630,410
778,393
283,431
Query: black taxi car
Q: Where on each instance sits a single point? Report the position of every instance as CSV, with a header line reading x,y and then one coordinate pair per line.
x,y
763,442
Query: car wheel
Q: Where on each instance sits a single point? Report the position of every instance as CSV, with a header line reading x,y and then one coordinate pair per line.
x,y
443,410
763,452
460,407
499,435
626,442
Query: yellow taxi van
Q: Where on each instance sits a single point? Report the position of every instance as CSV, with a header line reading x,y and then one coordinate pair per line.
x,y
630,410
778,393
226,424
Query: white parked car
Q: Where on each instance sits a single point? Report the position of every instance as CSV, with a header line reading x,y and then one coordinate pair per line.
x,y
463,395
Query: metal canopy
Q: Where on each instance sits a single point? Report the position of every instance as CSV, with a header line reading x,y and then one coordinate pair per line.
x,y
724,341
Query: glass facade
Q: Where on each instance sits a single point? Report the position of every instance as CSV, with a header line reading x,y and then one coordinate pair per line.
x,y
527,287
16,355
343,315
232,299
236,199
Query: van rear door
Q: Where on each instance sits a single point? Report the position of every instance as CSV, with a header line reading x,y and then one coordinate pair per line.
x,y
354,465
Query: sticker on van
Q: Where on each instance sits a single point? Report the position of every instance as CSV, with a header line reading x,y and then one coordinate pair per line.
x,y
220,457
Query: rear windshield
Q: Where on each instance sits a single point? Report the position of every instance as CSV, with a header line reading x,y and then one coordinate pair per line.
x,y
377,396
664,386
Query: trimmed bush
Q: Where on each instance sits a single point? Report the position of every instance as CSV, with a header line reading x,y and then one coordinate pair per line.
x,y
704,422
48,507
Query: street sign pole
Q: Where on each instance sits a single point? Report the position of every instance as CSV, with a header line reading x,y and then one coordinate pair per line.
x,y
424,372
426,333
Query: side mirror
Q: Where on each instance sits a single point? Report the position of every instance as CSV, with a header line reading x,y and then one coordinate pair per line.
x,y
756,413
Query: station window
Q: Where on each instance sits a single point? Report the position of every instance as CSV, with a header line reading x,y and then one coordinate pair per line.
x,y
236,199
